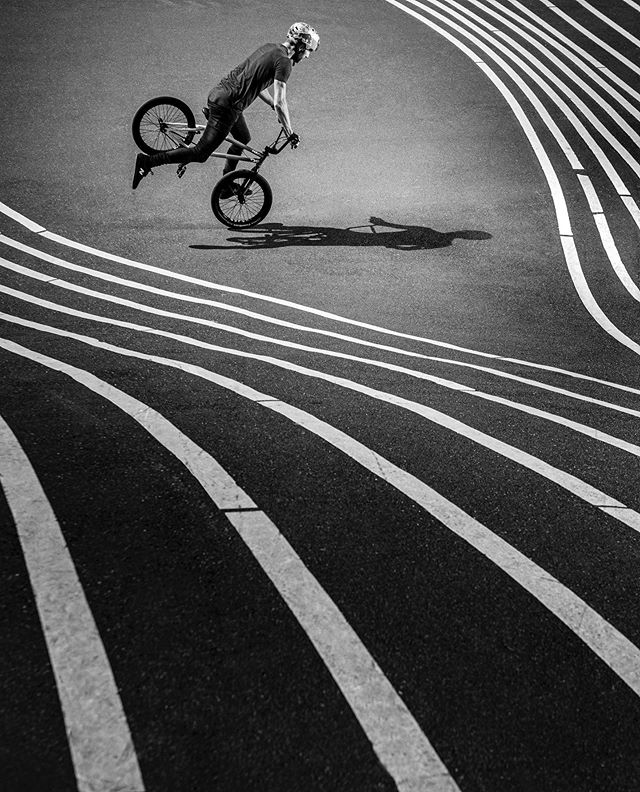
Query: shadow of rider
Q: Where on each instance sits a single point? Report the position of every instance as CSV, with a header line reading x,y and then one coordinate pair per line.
x,y
402,237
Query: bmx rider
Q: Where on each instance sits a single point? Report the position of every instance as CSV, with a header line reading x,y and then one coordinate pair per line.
x,y
270,64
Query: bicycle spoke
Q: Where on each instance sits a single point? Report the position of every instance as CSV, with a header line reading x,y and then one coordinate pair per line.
x,y
248,203
165,126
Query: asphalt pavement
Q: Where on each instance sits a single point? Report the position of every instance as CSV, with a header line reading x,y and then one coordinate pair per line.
x,y
347,500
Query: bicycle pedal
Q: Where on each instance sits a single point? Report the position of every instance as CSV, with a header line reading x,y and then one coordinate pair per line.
x,y
181,170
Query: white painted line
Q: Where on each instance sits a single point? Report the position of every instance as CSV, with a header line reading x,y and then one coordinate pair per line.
x,y
411,762
611,137
276,341
632,208
570,483
20,218
334,317
632,4
396,737
566,110
621,655
555,32
558,135
100,742
614,257
602,44
594,434
600,636
262,317
623,31
588,300
594,75
568,245
606,237
592,198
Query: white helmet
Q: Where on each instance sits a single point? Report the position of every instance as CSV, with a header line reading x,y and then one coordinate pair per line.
x,y
302,33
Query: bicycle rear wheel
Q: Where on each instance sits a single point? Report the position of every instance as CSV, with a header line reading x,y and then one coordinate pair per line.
x,y
162,124
242,198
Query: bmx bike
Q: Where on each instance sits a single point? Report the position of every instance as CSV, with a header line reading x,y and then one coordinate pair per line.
x,y
240,198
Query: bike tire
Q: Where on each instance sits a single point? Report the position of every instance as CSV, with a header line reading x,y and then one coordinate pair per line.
x,y
249,202
149,126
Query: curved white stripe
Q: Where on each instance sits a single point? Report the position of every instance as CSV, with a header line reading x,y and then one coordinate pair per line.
x,y
325,314
610,22
100,741
570,483
585,31
608,242
270,339
562,67
602,158
600,636
630,204
396,737
252,314
572,44
560,207
588,300
20,218
568,50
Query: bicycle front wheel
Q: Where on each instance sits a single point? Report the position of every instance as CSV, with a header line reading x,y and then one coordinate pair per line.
x,y
163,124
242,198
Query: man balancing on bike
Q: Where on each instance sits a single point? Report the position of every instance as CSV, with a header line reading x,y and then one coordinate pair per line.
x,y
269,64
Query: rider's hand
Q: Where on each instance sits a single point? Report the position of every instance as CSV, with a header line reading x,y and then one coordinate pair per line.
x,y
294,140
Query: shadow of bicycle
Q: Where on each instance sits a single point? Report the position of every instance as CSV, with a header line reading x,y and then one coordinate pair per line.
x,y
373,234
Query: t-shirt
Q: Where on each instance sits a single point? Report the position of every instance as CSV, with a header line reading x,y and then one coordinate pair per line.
x,y
243,84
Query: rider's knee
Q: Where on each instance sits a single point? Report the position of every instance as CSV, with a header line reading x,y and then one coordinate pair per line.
x,y
201,156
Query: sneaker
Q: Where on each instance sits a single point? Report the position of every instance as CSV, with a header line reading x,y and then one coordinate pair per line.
x,y
141,170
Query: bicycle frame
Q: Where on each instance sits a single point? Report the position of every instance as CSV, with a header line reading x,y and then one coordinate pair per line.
x,y
258,156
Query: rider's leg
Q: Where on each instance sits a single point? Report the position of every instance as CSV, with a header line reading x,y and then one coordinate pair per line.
x,y
219,124
240,132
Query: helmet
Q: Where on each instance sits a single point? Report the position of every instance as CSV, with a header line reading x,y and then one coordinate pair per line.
x,y
302,33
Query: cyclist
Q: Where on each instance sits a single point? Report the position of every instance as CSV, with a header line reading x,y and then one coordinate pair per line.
x,y
270,64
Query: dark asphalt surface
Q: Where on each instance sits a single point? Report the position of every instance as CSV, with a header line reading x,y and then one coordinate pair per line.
x,y
221,686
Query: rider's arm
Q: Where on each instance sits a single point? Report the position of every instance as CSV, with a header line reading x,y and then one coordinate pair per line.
x,y
266,97
379,221
280,105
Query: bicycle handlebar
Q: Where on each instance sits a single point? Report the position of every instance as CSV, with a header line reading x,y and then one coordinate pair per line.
x,y
274,148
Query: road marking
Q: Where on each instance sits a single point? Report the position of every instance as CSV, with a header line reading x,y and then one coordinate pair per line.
x,y
557,196
412,764
561,66
396,737
606,237
574,46
271,340
586,32
610,22
20,218
576,486
602,158
611,646
592,198
51,280
316,311
100,742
